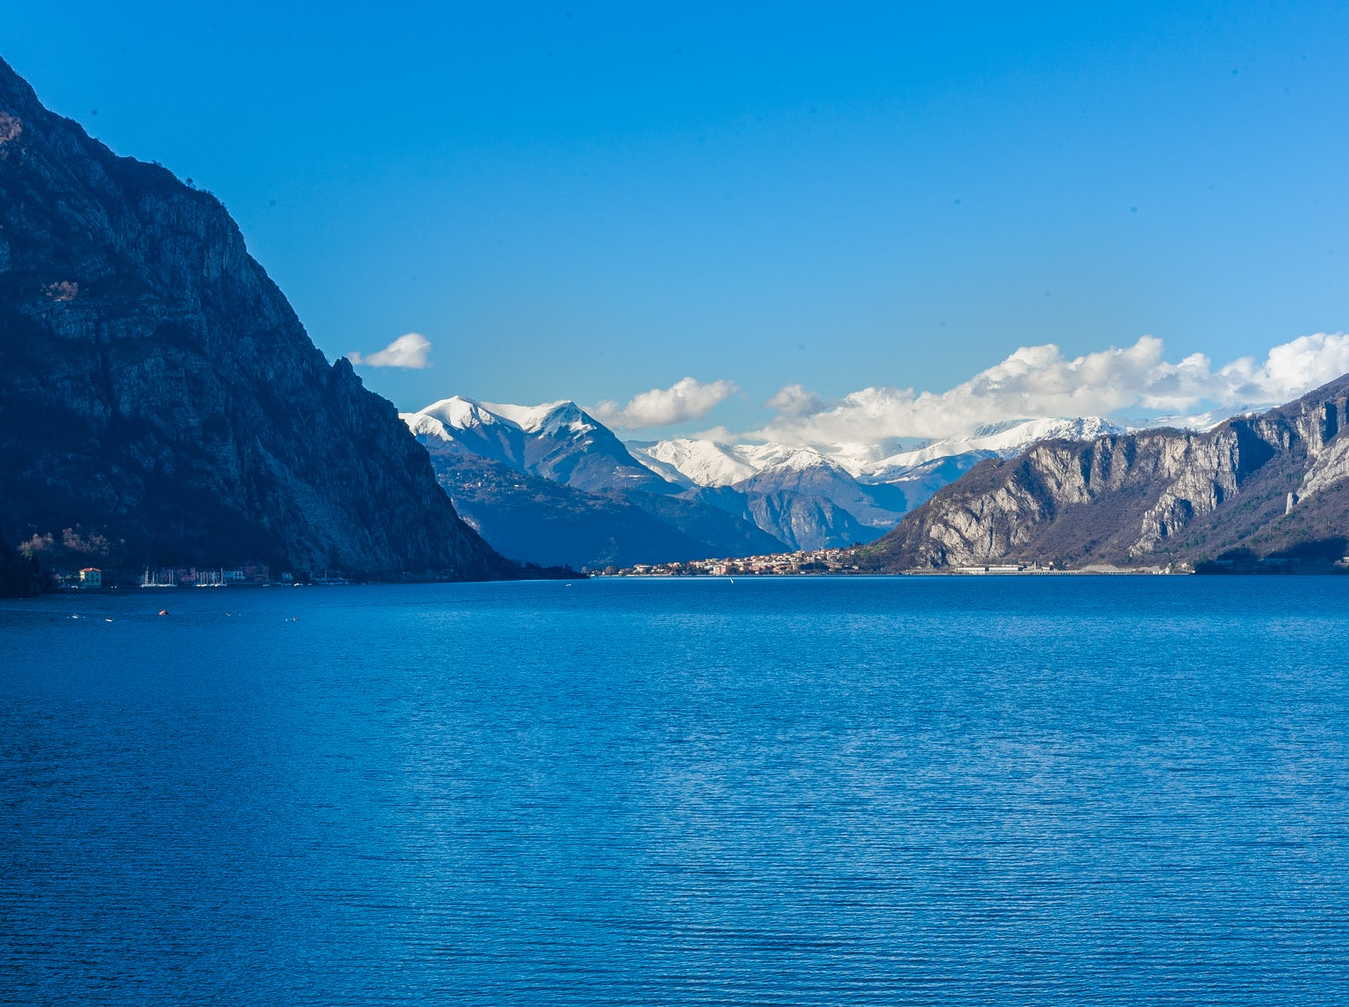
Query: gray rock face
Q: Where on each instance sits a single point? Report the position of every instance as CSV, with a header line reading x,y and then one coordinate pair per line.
x,y
157,389
1158,495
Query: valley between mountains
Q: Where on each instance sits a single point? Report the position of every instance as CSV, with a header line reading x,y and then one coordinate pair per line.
x,y
553,483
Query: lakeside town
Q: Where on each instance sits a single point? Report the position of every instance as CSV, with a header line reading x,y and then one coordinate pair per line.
x,y
844,561
803,562
809,561
252,574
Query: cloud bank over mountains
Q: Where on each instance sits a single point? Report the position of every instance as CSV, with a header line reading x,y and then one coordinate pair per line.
x,y
1040,381
1031,383
687,399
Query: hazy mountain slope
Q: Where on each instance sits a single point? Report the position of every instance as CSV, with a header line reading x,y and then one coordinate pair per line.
x,y
717,532
536,520
808,499
1270,482
159,395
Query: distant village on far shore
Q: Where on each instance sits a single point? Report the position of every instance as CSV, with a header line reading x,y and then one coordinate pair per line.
x,y
846,561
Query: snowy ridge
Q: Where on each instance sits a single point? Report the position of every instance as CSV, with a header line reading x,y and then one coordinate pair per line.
x,y
456,413
1201,422
689,462
1003,439
551,418
462,413
701,463
705,463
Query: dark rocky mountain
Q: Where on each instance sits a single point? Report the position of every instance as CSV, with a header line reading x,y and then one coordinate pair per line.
x,y
160,402
1272,487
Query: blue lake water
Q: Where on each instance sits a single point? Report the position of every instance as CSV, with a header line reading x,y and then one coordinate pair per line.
x,y
779,791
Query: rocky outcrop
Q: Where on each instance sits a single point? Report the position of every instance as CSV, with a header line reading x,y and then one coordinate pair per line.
x,y
1153,496
159,395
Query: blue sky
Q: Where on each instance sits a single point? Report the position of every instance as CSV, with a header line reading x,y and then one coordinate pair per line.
x,y
591,201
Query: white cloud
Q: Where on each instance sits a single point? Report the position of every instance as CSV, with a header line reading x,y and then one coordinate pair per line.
x,y
794,400
687,399
412,350
1040,381
1290,370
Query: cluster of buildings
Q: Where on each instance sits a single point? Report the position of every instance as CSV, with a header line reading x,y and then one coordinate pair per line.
x,y
91,578
191,576
807,561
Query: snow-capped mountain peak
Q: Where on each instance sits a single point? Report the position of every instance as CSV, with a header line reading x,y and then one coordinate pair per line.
x,y
557,441
551,418
456,412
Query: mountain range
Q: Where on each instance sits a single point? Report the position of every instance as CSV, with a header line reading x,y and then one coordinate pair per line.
x,y
552,483
160,402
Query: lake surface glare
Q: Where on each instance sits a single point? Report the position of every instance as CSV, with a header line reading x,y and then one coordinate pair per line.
x,y
1021,790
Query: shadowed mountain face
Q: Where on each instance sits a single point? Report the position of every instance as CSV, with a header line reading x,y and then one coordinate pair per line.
x,y
160,399
1271,485
820,505
551,485
545,522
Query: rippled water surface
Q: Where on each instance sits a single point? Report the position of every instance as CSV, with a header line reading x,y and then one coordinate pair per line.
x,y
777,791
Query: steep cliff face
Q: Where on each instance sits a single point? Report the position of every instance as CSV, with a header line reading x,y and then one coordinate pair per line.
x,y
1265,483
159,395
